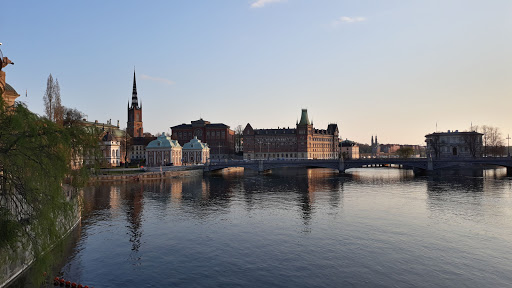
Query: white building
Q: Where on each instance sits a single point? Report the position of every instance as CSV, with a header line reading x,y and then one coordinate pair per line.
x,y
454,144
163,151
111,149
195,152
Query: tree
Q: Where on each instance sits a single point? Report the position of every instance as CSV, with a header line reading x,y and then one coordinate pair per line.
x,y
71,117
405,152
36,158
493,140
239,135
126,144
472,141
364,148
52,102
58,109
434,144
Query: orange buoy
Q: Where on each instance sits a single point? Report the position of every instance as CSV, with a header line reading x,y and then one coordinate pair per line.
x,y
73,285
80,286
68,283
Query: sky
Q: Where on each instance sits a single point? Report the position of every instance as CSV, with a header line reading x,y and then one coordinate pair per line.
x,y
396,69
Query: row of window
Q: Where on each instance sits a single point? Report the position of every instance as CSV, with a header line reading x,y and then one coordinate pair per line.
x,y
200,133
292,155
450,149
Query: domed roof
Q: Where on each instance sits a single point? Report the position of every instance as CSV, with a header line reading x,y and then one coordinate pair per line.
x,y
195,144
8,88
109,137
163,142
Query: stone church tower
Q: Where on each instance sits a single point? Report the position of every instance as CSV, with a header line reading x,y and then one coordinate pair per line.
x,y
134,124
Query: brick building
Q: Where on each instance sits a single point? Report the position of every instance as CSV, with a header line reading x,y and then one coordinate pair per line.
x,y
219,137
138,140
134,124
301,142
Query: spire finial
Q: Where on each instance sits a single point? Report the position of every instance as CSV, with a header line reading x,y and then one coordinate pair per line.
x,y
135,101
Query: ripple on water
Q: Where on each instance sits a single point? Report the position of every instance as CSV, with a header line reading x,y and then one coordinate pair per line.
x,y
297,228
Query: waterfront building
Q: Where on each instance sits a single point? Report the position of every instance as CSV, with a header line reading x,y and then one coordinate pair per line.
x,y
134,124
454,144
389,148
349,149
111,150
301,142
219,137
138,140
137,149
114,130
163,151
195,152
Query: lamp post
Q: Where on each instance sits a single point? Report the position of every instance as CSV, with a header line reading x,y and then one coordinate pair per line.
x,y
260,141
125,149
268,149
508,145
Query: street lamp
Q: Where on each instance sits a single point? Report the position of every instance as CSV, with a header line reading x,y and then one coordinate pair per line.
x,y
508,145
268,149
260,141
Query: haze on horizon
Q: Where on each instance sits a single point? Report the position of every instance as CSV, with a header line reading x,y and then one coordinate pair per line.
x,y
387,68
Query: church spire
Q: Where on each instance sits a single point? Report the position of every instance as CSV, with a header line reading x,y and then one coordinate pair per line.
x,y
135,101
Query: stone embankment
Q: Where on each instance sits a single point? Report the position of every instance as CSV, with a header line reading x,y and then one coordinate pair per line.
x,y
15,261
152,173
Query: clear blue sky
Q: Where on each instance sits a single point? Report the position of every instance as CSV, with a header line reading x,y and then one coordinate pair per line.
x,y
392,68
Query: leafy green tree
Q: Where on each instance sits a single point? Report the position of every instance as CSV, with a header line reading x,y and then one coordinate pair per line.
x,y
405,152
36,157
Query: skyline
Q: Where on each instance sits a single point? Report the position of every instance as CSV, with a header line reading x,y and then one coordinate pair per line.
x,y
386,68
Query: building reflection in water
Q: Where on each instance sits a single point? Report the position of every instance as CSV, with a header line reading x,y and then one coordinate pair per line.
x,y
461,195
299,186
134,201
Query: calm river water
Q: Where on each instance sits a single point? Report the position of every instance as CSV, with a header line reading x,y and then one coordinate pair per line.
x,y
295,228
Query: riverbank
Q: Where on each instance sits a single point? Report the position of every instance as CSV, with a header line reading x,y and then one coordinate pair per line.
x,y
16,260
150,174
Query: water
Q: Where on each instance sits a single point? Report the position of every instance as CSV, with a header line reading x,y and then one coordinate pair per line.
x,y
296,228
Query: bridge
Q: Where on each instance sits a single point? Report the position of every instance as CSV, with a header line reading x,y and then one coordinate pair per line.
x,y
417,164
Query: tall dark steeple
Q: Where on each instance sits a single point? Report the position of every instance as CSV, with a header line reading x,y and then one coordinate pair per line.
x,y
135,101
134,124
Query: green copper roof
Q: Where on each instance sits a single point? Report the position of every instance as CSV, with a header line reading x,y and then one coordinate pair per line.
x,y
163,142
304,119
195,144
